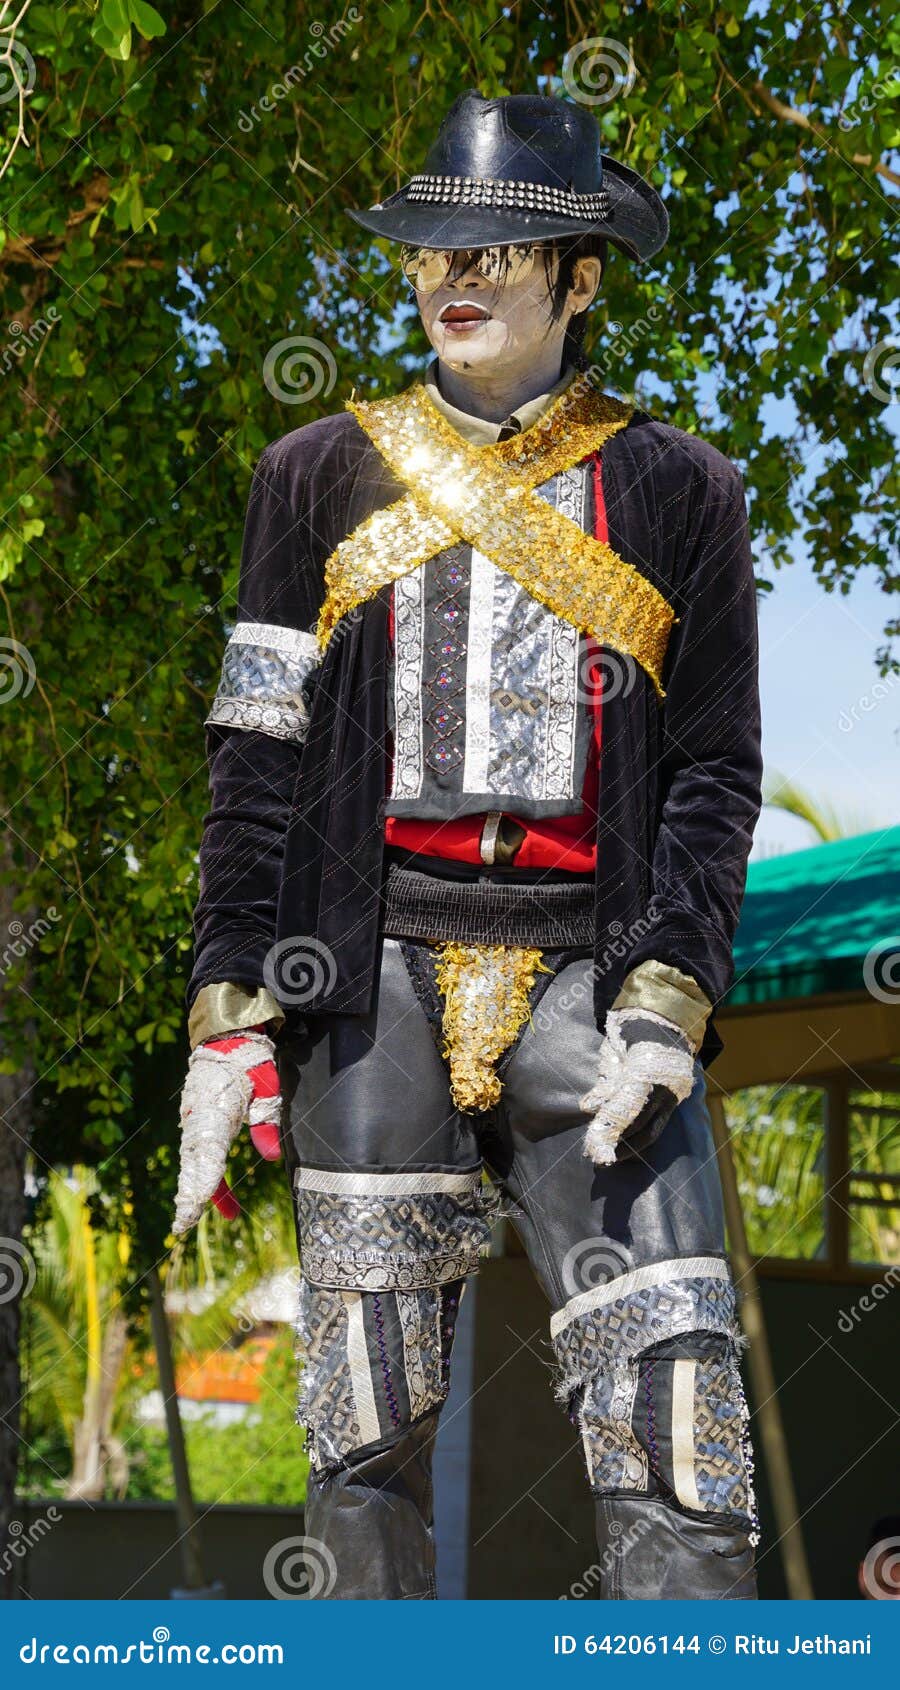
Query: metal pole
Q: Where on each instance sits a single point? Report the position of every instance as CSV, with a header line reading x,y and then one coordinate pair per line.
x,y
768,1412
185,1512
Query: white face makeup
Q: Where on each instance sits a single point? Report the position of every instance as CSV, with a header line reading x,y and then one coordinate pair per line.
x,y
478,327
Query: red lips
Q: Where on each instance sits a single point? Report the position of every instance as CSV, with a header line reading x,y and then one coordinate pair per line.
x,y
464,314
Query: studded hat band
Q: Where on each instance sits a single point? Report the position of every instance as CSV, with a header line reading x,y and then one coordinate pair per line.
x,y
520,196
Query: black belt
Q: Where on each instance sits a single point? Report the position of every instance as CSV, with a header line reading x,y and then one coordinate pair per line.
x,y
489,907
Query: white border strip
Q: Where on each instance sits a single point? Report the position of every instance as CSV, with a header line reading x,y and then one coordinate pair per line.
x,y
291,642
683,1473
383,1185
657,1273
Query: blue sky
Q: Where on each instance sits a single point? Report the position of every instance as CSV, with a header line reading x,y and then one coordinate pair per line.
x,y
829,722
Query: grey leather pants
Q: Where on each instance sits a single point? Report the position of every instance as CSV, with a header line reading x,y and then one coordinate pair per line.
x,y
392,1214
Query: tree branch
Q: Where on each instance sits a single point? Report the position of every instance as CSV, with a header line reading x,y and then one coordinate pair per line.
x,y
8,57
791,114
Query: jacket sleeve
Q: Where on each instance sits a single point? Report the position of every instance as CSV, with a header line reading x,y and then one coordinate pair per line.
x,y
710,760
255,732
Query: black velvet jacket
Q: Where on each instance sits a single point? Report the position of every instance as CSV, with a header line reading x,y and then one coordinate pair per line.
x,y
293,844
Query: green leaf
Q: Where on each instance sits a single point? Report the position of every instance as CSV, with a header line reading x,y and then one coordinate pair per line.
x,y
112,30
146,19
115,15
115,46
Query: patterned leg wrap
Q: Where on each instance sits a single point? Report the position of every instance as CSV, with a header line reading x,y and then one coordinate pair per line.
x,y
384,1259
373,1363
651,1378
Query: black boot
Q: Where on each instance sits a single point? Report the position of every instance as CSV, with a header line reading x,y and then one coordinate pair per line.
x,y
652,1552
374,1516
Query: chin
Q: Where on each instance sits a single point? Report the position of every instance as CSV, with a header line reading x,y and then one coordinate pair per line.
x,y
485,348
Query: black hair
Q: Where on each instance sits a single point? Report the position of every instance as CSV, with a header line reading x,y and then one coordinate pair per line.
x,y
569,251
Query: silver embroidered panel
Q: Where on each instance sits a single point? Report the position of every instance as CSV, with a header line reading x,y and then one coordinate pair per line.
x,y
647,1305
265,679
407,687
615,1459
487,702
370,1232
420,1322
599,1339
720,1437
371,1364
327,1404
530,724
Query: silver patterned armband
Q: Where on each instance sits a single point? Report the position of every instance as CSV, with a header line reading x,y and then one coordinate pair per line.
x,y
265,679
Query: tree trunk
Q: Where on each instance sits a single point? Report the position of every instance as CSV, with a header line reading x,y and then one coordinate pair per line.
x,y
97,1457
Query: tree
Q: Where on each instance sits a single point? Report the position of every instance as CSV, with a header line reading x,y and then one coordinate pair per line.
x,y
79,1340
825,819
182,284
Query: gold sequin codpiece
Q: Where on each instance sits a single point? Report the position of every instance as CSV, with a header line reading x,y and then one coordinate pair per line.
x,y
485,496
486,1001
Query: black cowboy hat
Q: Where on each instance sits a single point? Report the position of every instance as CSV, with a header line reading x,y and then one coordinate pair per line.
x,y
521,168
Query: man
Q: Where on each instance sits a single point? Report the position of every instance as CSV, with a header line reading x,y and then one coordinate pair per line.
x,y
485,769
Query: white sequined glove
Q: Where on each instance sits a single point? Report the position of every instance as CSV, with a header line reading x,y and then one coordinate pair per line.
x,y
231,1079
646,1069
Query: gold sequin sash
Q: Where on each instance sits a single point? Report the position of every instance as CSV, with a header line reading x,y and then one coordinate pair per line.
x,y
485,496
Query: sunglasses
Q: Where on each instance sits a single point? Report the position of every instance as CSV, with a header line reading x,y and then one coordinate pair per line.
x,y
426,267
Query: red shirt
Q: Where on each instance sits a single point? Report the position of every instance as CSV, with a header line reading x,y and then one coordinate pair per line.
x,y
565,842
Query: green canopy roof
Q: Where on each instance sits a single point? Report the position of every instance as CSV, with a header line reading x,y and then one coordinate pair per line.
x,y
811,918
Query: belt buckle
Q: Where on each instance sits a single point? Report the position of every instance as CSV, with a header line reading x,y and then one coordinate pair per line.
x,y
487,846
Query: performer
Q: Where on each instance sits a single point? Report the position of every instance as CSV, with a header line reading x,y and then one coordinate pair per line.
x,y
485,770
